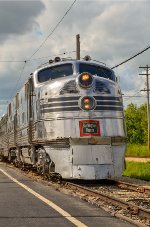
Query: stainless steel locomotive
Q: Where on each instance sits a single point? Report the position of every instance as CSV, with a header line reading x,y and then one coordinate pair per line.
x,y
67,119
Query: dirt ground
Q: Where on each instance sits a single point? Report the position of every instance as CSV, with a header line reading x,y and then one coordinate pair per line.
x,y
138,159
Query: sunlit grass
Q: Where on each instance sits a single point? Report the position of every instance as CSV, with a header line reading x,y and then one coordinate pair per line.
x,y
138,170
137,150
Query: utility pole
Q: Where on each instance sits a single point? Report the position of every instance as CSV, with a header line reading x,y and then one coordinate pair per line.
x,y
78,47
146,68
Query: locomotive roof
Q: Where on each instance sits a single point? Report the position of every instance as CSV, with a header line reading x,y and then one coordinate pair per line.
x,y
73,61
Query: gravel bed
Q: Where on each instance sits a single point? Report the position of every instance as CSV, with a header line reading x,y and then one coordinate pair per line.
x,y
115,211
136,198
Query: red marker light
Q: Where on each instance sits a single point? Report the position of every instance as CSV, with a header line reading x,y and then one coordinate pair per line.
x,y
86,100
87,103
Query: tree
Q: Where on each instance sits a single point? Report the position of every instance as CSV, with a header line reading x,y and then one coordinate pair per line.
x,y
136,123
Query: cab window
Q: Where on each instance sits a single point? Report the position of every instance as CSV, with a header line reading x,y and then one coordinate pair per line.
x,y
97,70
55,72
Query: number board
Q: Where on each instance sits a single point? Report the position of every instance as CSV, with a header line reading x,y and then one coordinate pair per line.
x,y
89,128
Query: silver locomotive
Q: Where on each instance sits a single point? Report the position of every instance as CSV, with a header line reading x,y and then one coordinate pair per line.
x,y
67,119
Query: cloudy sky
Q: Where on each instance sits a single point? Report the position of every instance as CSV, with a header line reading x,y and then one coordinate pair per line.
x,y
110,30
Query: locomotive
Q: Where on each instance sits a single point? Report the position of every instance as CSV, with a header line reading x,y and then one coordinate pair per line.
x,y
67,119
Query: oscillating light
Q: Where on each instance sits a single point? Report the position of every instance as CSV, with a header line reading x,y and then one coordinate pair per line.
x,y
87,103
85,80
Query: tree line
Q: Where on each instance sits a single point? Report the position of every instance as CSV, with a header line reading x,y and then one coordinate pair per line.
x,y
136,123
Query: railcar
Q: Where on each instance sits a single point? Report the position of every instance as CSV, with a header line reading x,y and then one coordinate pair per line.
x,y
67,119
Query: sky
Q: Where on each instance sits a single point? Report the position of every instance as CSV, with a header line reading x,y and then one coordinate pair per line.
x,y
110,31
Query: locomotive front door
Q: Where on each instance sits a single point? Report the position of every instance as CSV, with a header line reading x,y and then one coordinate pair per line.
x,y
92,155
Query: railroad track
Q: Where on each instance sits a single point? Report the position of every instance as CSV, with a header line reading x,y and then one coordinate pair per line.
x,y
125,200
120,184
134,187
122,199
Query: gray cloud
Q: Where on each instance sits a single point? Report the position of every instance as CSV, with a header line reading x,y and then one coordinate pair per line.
x,y
18,17
110,31
8,84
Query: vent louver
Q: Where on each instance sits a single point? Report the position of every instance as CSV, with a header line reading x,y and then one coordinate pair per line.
x,y
70,87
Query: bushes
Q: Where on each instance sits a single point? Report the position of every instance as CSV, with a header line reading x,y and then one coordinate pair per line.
x,y
136,123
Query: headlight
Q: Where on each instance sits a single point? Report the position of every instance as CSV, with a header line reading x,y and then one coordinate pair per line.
x,y
87,103
85,80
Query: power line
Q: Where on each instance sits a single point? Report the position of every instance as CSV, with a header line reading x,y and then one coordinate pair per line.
x,y
146,68
69,52
56,55
53,29
25,61
15,88
145,49
34,59
135,94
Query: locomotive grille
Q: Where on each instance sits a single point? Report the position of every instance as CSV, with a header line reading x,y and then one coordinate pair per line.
x,y
101,87
60,104
69,87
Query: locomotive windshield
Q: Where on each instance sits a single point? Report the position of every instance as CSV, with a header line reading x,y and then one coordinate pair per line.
x,y
97,70
55,72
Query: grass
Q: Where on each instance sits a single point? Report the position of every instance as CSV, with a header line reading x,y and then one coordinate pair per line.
x,y
138,170
137,150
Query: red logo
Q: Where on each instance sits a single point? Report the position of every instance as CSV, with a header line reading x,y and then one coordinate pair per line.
x,y
89,128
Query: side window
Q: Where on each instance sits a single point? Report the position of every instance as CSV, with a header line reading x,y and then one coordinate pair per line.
x,y
55,72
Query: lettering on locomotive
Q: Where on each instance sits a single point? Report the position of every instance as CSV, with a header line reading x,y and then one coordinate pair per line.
x,y
89,128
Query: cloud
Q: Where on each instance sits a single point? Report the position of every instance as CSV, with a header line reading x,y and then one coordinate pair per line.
x,y
110,31
18,17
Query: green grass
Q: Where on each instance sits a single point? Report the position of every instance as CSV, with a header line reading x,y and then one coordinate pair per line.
x,y
137,150
138,170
